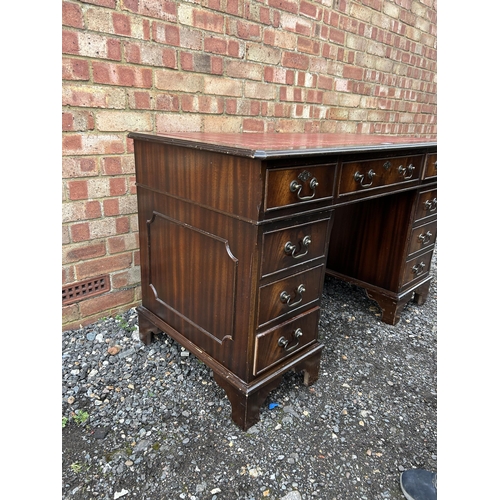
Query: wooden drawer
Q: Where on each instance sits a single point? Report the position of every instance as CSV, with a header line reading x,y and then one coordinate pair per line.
x,y
286,339
362,176
294,186
292,246
417,268
431,166
426,204
282,298
422,237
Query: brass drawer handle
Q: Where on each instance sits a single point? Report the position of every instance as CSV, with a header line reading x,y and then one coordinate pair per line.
x,y
291,249
282,342
431,205
285,297
359,177
425,238
296,187
418,269
402,171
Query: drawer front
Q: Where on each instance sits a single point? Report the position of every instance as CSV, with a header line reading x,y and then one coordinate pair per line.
x,y
426,204
284,297
285,340
299,185
423,237
417,268
292,246
431,166
360,176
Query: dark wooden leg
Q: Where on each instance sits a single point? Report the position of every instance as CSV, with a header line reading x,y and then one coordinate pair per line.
x,y
421,293
146,328
246,406
310,367
390,308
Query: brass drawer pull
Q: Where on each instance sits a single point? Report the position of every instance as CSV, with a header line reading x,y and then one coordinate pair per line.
x,y
359,177
425,238
296,187
418,269
431,205
291,249
402,171
282,342
285,297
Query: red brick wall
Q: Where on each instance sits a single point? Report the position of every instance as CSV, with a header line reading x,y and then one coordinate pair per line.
x,y
219,65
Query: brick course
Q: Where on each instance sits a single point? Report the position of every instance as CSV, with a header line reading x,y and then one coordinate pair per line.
x,y
364,66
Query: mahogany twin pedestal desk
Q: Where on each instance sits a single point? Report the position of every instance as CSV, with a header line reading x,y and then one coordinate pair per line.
x,y
237,232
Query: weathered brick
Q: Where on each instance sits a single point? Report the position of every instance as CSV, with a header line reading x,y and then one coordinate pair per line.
x,y
140,99
87,144
80,232
104,302
122,225
199,18
119,74
72,15
126,278
253,125
297,24
167,122
79,167
222,86
121,24
75,211
217,123
78,252
166,33
78,190
116,23
257,90
241,69
177,81
123,243
68,274
286,5
70,316
77,120
279,75
75,69
150,55
294,60
311,10
352,72
93,96
117,186
290,126
374,4
159,9
111,207
122,121
167,102
103,3
307,45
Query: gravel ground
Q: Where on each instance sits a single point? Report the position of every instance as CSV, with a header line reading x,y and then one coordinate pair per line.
x,y
150,422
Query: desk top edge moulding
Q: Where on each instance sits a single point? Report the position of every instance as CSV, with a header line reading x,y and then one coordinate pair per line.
x,y
274,145
238,230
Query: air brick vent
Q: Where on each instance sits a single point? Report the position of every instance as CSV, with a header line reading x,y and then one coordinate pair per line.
x,y
85,289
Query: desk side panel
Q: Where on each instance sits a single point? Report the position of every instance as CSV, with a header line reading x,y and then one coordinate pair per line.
x,y
198,272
